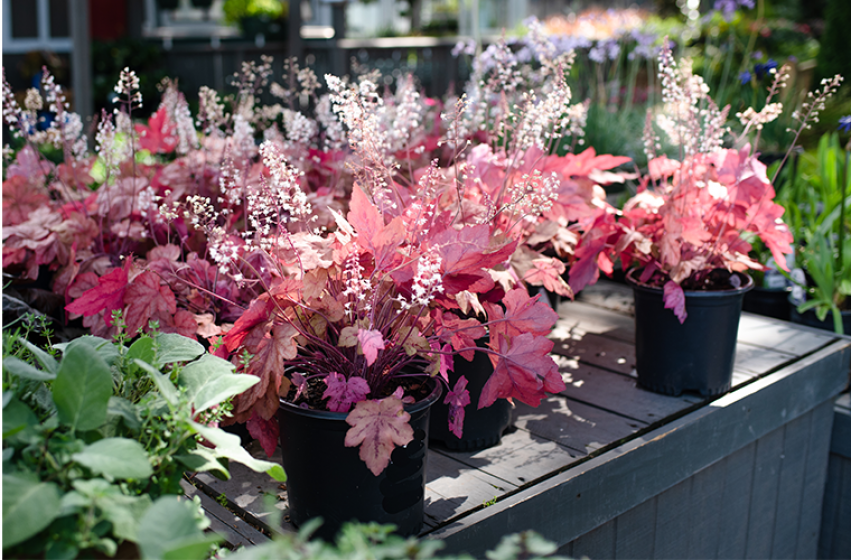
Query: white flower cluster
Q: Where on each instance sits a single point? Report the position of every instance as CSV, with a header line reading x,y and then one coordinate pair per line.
x,y
428,280
128,86
816,101
357,287
404,115
211,112
750,118
335,134
533,194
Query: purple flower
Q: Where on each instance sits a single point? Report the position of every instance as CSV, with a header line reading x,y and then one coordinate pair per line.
x,y
761,70
845,123
729,7
745,77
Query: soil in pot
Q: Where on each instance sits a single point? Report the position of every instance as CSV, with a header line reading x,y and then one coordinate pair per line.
x,y
329,480
696,355
483,428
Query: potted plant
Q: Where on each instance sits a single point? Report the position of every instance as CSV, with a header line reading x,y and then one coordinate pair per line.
x,y
96,441
817,200
257,17
684,235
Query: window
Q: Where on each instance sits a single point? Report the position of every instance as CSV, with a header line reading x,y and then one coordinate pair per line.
x,y
32,25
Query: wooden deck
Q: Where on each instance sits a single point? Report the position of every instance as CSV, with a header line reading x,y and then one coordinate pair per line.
x,y
609,470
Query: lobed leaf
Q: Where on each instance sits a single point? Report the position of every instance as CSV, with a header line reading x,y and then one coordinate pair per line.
x,y
378,426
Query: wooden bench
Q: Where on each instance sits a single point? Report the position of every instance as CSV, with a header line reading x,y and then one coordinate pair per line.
x,y
608,470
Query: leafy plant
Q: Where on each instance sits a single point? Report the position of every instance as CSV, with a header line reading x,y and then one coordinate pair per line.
x,y
96,442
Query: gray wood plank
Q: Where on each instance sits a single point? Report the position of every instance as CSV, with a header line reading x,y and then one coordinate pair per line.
x,y
519,458
599,543
735,504
672,521
814,480
453,488
230,526
583,318
830,506
790,489
769,451
841,546
704,513
840,440
575,425
581,498
635,535
843,401
781,336
609,295
619,393
596,350
757,360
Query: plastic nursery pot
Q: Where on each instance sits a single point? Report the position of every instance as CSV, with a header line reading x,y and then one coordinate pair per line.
x,y
771,302
696,355
810,319
327,479
482,427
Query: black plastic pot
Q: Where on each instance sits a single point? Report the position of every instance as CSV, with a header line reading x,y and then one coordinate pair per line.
x,y
696,355
810,319
482,428
771,302
327,479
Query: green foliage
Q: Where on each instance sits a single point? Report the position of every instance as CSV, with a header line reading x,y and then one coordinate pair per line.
x,y
96,442
833,57
816,200
377,542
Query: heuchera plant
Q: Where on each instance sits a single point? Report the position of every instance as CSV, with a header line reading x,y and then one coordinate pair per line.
x,y
695,215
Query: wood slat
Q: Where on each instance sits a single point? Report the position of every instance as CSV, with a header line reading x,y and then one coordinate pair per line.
x,y
840,442
672,521
763,507
225,523
735,504
619,393
830,506
599,543
841,546
790,488
704,513
780,336
575,425
596,350
581,318
635,535
818,448
519,458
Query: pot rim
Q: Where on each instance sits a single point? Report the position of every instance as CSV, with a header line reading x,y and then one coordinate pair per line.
x,y
694,293
418,406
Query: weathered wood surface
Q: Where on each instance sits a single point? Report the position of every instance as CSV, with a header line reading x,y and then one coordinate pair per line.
x,y
835,538
577,467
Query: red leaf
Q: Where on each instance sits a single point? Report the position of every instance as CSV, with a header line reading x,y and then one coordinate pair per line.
x,y
342,394
107,296
20,198
371,342
158,136
461,333
145,299
377,427
257,313
265,431
523,369
466,255
523,314
457,399
547,272
675,299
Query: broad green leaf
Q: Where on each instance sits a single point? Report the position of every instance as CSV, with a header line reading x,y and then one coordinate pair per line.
x,y
106,349
176,348
116,458
16,417
125,512
72,502
82,388
210,380
195,547
168,525
126,410
142,349
228,445
28,507
163,383
203,459
18,367
47,361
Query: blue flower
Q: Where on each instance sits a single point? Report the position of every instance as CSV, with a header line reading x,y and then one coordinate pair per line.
x,y
745,77
761,70
845,123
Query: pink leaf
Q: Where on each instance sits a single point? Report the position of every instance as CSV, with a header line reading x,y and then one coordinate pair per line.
x,y
523,369
342,394
675,299
265,431
146,299
371,342
158,136
378,427
457,399
300,381
107,296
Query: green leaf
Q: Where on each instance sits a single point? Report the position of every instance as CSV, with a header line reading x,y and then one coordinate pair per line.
x,y
82,388
106,349
176,348
169,526
28,507
47,361
17,417
124,512
116,458
142,349
126,410
18,367
210,381
228,445
162,381
203,459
